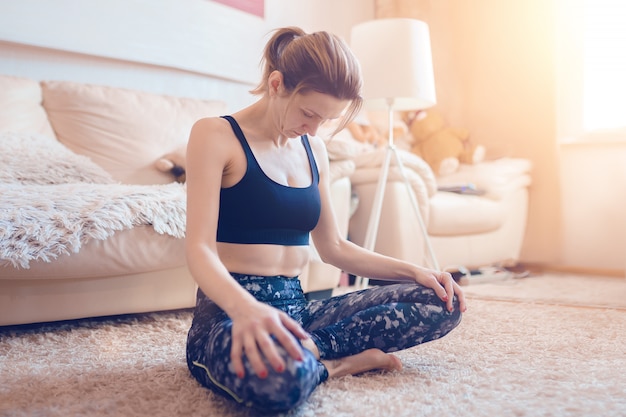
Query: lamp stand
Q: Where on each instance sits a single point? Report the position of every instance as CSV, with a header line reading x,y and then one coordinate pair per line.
x,y
374,220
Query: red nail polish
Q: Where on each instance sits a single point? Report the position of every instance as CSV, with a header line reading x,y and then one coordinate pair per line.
x,y
263,374
240,375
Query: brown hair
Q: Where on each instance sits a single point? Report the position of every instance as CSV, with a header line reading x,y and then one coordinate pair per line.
x,y
319,62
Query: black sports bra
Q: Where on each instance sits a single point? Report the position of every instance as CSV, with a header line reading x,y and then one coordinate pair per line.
x,y
259,210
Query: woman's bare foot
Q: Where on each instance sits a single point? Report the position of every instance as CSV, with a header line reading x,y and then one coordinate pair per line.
x,y
310,345
367,360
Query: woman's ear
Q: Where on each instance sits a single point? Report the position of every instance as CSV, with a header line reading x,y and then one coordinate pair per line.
x,y
275,82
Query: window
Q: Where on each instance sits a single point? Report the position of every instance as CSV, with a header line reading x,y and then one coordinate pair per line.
x,y
591,70
604,72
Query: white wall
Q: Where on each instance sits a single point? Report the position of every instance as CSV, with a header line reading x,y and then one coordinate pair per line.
x,y
592,164
196,48
593,192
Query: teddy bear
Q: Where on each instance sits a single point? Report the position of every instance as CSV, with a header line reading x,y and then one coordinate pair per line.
x,y
444,148
366,133
173,163
367,128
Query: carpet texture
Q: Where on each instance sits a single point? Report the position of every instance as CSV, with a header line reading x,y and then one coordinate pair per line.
x,y
555,289
505,359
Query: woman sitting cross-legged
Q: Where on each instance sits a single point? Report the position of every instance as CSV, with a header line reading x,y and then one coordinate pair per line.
x,y
257,189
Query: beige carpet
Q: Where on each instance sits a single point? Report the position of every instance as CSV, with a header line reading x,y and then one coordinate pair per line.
x,y
508,358
555,289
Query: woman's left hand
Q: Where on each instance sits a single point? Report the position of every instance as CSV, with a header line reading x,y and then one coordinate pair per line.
x,y
444,286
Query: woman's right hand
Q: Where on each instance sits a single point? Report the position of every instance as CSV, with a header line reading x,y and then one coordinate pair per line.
x,y
257,329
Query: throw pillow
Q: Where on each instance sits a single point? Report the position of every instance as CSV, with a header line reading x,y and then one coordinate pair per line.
x,y
122,130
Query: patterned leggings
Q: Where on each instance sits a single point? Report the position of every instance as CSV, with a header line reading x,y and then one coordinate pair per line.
x,y
389,318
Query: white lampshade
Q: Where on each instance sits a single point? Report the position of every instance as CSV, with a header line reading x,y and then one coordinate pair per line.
x,y
396,63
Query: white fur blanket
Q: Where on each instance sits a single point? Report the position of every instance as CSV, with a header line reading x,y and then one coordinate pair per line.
x,y
47,212
37,159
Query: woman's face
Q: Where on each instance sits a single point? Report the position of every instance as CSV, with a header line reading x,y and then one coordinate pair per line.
x,y
306,112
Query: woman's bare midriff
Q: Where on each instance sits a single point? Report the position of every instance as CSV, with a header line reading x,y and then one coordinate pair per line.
x,y
264,260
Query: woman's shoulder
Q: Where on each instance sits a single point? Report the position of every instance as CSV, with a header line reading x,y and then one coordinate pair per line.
x,y
209,133
317,145
209,128
210,123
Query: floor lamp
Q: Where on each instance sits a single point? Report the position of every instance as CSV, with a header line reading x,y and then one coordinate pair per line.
x,y
396,65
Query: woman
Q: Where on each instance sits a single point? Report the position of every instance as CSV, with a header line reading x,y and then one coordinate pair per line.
x,y
257,185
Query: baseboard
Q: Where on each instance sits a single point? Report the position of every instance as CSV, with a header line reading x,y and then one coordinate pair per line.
x,y
576,270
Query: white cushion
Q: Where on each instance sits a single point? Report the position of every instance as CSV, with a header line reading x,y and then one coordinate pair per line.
x,y
454,214
124,131
497,176
20,101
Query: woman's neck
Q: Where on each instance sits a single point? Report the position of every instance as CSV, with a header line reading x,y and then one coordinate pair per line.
x,y
261,122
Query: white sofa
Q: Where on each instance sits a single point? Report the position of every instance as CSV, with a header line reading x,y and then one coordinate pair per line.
x,y
466,231
133,264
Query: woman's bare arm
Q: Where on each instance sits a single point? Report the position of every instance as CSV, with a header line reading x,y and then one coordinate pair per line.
x,y
209,155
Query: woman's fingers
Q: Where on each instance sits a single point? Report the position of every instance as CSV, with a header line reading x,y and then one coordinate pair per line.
x,y
236,357
447,283
446,288
460,296
260,346
294,327
251,350
436,281
282,335
286,337
268,348
245,344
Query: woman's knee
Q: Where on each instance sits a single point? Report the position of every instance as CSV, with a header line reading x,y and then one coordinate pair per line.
x,y
282,391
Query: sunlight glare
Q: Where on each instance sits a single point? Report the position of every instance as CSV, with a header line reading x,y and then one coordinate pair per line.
x,y
605,64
